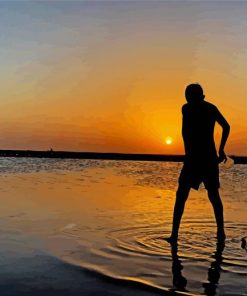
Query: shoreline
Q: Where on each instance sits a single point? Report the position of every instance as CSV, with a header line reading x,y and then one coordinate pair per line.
x,y
55,276
104,155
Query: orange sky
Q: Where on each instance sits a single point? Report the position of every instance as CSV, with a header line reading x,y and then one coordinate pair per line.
x,y
110,76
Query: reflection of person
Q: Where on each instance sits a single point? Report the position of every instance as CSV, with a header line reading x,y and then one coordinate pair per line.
x,y
180,282
201,159
214,270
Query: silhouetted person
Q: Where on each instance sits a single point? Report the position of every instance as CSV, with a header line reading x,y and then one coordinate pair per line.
x,y
201,162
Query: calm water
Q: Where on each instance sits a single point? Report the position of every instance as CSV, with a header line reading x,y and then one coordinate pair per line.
x,y
110,217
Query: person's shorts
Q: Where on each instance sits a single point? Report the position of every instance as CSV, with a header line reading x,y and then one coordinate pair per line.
x,y
193,175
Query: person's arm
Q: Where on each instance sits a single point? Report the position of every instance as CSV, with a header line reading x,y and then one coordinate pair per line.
x,y
225,133
185,130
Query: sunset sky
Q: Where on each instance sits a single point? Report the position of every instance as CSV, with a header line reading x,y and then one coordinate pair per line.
x,y
110,76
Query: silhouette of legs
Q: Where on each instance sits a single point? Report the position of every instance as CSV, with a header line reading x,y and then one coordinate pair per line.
x,y
214,197
181,197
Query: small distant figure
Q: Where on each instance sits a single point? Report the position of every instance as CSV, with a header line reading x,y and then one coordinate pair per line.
x,y
201,162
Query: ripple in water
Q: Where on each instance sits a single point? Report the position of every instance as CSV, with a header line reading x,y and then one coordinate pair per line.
x,y
141,240
141,253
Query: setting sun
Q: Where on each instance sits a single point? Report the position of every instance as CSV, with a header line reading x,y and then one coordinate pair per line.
x,y
168,140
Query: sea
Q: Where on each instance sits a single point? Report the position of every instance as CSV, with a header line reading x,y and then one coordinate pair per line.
x,y
98,227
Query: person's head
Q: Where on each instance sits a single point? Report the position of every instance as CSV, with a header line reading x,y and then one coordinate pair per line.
x,y
194,93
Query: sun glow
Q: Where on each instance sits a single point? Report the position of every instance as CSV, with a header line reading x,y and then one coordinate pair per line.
x,y
168,140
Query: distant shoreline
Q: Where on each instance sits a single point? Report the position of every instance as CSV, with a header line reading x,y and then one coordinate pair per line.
x,y
103,155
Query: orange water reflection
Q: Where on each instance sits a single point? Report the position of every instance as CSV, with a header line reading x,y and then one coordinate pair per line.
x,y
115,221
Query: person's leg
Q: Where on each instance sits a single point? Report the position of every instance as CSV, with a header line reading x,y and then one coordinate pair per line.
x,y
181,197
214,197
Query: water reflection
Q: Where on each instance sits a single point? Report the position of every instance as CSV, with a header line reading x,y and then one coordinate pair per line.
x,y
210,287
214,270
179,281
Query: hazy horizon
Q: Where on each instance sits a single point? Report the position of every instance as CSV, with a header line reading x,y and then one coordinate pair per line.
x,y
110,76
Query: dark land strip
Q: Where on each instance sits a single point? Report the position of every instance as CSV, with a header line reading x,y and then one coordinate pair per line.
x,y
103,155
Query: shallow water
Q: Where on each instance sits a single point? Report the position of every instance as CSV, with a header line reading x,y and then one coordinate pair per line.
x,y
111,217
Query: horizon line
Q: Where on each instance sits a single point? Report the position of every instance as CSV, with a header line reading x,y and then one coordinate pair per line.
x,y
104,155
97,152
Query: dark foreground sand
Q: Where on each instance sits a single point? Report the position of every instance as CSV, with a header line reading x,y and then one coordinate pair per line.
x,y
43,275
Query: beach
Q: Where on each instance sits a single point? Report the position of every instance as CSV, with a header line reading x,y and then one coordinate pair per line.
x,y
97,227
